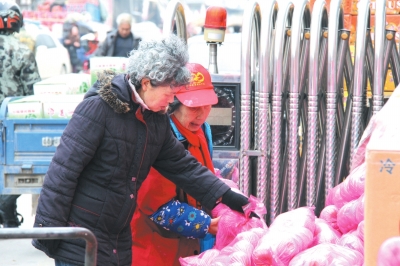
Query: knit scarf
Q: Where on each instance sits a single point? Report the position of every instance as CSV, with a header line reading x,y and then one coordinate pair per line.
x,y
197,147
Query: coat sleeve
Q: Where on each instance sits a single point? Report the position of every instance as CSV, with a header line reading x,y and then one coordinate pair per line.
x,y
78,145
177,165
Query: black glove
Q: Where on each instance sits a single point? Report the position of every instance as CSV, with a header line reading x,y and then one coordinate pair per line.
x,y
234,200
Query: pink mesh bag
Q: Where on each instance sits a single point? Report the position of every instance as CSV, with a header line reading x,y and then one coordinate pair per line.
x,y
329,214
327,254
350,215
353,241
389,252
324,233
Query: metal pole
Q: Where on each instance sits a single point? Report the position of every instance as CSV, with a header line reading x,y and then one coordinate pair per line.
x,y
361,39
46,233
303,116
379,43
276,157
212,65
334,69
251,12
322,81
301,13
395,63
319,11
265,87
343,46
175,9
389,45
285,124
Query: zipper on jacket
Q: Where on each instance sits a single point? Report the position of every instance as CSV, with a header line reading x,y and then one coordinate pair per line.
x,y
139,116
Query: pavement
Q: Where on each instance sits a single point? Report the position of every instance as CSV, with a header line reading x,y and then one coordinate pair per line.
x,y
20,251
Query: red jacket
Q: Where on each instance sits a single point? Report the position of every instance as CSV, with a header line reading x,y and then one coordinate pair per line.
x,y
148,246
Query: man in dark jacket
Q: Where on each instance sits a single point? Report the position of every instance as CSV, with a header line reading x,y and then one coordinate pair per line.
x,y
116,134
121,41
18,73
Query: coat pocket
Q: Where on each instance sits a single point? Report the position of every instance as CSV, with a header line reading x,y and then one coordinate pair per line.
x,y
50,245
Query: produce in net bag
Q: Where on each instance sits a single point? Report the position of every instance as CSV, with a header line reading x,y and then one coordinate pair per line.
x,y
278,247
252,236
353,241
289,234
350,189
389,252
353,186
329,214
237,252
324,233
327,255
232,222
350,215
300,217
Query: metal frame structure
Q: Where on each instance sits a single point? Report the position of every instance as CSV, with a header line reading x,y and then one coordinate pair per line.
x,y
297,133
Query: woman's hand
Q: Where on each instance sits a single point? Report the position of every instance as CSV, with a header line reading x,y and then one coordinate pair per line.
x,y
214,226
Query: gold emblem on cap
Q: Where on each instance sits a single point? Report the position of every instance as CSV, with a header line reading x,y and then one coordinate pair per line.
x,y
197,79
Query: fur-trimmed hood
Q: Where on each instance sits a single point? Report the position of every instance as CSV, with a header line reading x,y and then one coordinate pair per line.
x,y
114,90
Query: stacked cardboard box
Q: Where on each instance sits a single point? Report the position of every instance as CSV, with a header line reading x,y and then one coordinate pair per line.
x,y
116,64
63,85
37,106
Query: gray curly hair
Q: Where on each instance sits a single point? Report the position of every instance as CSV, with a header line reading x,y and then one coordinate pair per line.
x,y
161,61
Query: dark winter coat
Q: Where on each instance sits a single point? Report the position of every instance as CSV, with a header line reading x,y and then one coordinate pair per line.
x,y
107,47
105,153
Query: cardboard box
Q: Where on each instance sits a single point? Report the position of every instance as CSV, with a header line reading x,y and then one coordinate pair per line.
x,y
117,64
382,186
25,108
63,85
61,107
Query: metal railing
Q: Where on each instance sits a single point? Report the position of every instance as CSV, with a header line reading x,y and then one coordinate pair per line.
x,y
57,233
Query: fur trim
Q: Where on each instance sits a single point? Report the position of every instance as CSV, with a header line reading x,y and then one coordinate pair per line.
x,y
106,93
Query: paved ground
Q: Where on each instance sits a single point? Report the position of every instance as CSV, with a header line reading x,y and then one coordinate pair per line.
x,y
20,251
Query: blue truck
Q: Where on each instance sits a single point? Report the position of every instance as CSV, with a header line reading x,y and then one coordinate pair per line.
x,y
27,147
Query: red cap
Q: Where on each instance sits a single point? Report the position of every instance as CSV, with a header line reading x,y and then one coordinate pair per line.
x,y
200,91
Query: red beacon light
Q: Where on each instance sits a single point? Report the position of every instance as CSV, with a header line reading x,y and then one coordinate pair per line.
x,y
215,26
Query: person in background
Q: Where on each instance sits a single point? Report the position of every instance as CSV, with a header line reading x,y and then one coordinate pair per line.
x,y
72,42
18,73
160,237
151,13
116,134
119,42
